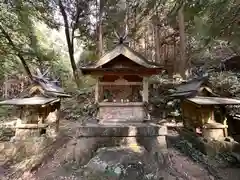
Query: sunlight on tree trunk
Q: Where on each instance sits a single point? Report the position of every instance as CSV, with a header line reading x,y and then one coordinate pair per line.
x,y
156,39
182,63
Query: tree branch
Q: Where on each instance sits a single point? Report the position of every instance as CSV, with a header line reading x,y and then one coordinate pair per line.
x,y
66,26
78,12
69,43
168,38
10,42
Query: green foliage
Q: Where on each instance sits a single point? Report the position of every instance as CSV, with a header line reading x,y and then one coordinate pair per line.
x,y
5,112
25,23
32,26
225,83
87,57
211,20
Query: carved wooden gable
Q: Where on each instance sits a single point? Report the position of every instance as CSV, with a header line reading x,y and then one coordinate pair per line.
x,y
121,62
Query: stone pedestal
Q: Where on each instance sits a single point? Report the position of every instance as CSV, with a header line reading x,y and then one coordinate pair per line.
x,y
149,135
208,146
25,131
22,134
214,131
53,123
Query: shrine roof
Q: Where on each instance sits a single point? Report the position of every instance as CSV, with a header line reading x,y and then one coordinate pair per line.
x,y
29,101
190,88
123,71
122,49
50,87
202,100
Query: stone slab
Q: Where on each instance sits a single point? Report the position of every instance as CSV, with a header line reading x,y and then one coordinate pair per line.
x,y
208,146
121,130
115,161
31,126
123,113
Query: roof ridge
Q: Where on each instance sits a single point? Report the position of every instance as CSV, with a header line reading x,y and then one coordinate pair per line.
x,y
128,52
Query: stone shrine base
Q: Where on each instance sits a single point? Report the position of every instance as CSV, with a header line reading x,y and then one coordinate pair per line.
x,y
149,135
82,146
210,146
102,146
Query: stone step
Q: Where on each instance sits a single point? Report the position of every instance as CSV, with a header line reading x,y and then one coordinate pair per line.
x,y
121,122
121,130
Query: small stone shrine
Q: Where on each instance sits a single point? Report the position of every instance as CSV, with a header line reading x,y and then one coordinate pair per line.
x,y
38,109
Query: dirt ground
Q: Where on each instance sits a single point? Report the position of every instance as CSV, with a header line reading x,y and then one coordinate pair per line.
x,y
180,167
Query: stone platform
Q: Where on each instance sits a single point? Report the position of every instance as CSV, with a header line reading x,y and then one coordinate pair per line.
x,y
121,130
148,135
210,146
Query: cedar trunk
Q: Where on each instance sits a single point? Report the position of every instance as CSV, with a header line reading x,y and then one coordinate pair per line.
x,y
182,63
100,32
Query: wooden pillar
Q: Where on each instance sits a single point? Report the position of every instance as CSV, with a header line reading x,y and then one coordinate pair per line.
x,y
145,89
97,91
52,119
58,106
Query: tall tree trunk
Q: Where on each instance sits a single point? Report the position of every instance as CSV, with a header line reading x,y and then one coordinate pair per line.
x,y
18,53
5,94
145,43
175,52
100,30
182,63
153,42
134,26
156,39
70,43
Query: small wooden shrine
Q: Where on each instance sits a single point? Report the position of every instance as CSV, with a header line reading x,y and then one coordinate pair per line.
x,y
122,84
198,115
38,109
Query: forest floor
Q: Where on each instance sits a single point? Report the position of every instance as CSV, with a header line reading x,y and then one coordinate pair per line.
x,y
182,166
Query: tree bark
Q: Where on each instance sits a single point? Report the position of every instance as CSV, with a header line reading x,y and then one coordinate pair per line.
x,y
146,43
100,32
18,53
158,47
156,40
70,39
182,63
